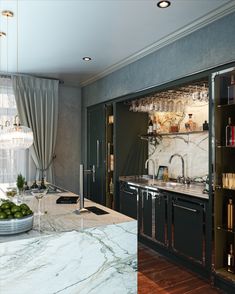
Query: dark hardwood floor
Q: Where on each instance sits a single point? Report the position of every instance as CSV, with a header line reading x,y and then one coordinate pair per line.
x,y
156,275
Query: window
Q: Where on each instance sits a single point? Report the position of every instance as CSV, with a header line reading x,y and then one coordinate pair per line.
x,y
12,162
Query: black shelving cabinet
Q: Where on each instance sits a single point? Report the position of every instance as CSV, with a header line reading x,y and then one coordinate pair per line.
x,y
223,161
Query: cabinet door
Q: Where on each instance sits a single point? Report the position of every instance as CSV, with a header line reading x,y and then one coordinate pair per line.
x,y
147,212
187,237
161,218
128,200
96,153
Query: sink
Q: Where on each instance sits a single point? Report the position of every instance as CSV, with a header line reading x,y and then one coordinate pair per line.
x,y
171,184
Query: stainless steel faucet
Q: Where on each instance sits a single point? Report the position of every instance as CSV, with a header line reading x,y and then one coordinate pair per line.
x,y
182,161
146,165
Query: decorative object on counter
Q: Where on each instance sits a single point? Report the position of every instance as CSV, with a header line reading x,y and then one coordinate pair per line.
x,y
231,91
162,173
230,212
230,133
231,260
34,185
228,181
20,185
39,194
26,187
14,218
207,182
42,185
205,126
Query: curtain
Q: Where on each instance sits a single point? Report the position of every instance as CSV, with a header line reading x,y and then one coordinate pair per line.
x,y
37,104
12,162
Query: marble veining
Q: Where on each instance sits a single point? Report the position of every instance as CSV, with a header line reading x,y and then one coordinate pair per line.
x,y
93,260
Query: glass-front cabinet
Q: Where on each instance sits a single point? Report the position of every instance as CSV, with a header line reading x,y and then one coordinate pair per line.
x,y
223,94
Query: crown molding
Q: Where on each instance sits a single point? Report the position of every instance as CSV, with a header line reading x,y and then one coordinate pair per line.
x,y
195,25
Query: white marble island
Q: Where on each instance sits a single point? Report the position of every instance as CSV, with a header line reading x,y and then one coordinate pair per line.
x,y
69,253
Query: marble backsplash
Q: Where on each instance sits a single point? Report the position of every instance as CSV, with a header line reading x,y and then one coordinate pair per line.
x,y
193,147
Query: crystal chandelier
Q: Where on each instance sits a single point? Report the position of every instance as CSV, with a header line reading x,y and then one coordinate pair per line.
x,y
16,136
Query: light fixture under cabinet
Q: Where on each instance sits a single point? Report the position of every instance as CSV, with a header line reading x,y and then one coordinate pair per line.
x,y
86,58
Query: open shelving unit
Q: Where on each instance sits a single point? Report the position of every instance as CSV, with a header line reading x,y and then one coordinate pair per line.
x,y
224,159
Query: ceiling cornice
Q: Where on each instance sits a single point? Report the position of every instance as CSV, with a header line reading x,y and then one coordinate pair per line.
x,y
196,25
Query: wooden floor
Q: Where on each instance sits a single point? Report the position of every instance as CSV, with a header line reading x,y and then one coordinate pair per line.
x,y
158,276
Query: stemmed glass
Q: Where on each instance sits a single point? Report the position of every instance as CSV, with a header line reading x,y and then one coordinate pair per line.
x,y
39,194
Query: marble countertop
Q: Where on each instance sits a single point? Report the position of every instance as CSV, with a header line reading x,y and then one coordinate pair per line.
x,y
69,253
195,190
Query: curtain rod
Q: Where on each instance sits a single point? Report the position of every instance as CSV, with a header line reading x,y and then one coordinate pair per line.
x,y
7,75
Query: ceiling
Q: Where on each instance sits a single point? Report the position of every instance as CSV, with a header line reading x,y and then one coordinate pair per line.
x,y
53,36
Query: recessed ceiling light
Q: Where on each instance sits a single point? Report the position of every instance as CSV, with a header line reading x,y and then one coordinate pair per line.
x,y
163,4
86,58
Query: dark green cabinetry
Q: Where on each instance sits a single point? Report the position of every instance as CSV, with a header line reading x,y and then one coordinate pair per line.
x,y
96,153
188,228
128,199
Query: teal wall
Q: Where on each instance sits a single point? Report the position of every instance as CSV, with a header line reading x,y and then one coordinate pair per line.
x,y
208,47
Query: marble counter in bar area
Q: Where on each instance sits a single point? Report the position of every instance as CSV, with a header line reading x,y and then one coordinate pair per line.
x,y
71,254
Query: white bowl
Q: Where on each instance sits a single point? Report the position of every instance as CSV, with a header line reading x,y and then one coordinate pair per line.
x,y
16,225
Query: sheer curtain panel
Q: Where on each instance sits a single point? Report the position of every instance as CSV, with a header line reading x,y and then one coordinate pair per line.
x,y
37,104
12,162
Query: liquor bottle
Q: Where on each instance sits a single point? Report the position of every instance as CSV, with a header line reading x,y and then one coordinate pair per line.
x,y
111,187
231,91
150,127
205,126
230,133
230,214
231,260
154,126
191,124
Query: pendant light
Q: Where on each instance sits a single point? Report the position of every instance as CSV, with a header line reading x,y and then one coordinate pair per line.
x,y
15,136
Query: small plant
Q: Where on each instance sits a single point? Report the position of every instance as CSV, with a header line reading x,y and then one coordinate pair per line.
x,y
20,181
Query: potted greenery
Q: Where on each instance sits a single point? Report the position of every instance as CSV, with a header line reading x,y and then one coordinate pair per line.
x,y
20,184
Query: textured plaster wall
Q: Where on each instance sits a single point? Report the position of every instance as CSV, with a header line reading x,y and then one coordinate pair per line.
x,y
68,149
208,47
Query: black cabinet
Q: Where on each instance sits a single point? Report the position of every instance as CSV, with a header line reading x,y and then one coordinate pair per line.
x,y
96,153
128,200
152,218
188,228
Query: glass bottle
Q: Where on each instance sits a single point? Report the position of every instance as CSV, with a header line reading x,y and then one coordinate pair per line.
x,y
231,260
150,127
231,91
230,215
228,132
191,124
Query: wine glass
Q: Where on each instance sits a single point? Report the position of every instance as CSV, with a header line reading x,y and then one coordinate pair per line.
x,y
39,194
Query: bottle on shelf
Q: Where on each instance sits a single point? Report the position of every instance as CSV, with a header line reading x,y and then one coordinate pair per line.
x,y
111,186
230,214
150,127
205,126
231,260
231,91
190,125
154,125
230,133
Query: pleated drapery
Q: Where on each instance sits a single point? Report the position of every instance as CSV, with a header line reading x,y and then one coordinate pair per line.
x,y
37,104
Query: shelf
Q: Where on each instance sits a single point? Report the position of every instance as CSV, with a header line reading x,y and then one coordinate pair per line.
x,y
172,134
226,147
223,272
225,105
224,229
221,188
